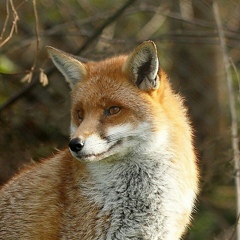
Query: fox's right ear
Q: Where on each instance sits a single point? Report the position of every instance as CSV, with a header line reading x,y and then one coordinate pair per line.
x,y
72,69
142,66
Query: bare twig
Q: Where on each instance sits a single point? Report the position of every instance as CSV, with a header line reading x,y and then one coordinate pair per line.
x,y
49,71
234,126
29,75
37,34
173,15
154,23
14,23
6,21
111,19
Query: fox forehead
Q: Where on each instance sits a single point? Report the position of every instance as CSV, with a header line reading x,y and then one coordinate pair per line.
x,y
102,91
106,84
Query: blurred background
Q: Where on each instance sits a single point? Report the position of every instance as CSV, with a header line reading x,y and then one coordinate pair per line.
x,y
35,100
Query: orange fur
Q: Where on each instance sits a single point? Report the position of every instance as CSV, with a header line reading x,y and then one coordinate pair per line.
x,y
61,198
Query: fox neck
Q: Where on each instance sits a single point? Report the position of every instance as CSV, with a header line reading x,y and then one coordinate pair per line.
x,y
136,194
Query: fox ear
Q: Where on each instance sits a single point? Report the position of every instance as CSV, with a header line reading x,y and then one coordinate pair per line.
x,y
142,66
72,69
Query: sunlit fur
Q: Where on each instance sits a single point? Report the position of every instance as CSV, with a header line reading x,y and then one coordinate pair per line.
x,y
136,175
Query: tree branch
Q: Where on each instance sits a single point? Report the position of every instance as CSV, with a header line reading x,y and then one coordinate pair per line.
x,y
234,124
110,20
14,24
49,71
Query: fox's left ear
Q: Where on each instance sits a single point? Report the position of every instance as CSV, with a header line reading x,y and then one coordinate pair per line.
x,y
72,69
142,66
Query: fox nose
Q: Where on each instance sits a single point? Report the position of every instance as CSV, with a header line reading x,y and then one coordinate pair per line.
x,y
76,145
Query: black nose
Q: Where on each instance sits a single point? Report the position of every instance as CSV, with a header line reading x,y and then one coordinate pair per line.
x,y
76,145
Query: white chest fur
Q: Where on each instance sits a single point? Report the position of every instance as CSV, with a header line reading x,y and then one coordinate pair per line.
x,y
140,193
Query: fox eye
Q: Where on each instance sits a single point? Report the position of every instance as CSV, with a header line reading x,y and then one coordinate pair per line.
x,y
113,110
80,115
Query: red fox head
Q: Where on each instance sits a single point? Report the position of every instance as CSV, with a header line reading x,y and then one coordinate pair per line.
x,y
116,103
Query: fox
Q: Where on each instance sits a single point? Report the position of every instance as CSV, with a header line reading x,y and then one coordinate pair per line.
x,y
130,170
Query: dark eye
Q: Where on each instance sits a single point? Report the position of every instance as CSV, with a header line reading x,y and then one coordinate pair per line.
x,y
113,110
80,115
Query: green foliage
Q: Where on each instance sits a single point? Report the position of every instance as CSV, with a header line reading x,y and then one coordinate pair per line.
x,y
6,65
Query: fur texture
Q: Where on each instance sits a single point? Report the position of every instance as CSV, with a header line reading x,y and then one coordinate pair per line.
x,y
131,170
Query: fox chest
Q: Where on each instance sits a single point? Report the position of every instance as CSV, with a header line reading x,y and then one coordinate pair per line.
x,y
127,211
128,205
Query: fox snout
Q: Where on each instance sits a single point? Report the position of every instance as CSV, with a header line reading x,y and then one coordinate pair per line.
x,y
90,148
76,145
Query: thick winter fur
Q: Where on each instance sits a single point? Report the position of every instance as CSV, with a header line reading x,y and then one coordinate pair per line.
x,y
131,169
